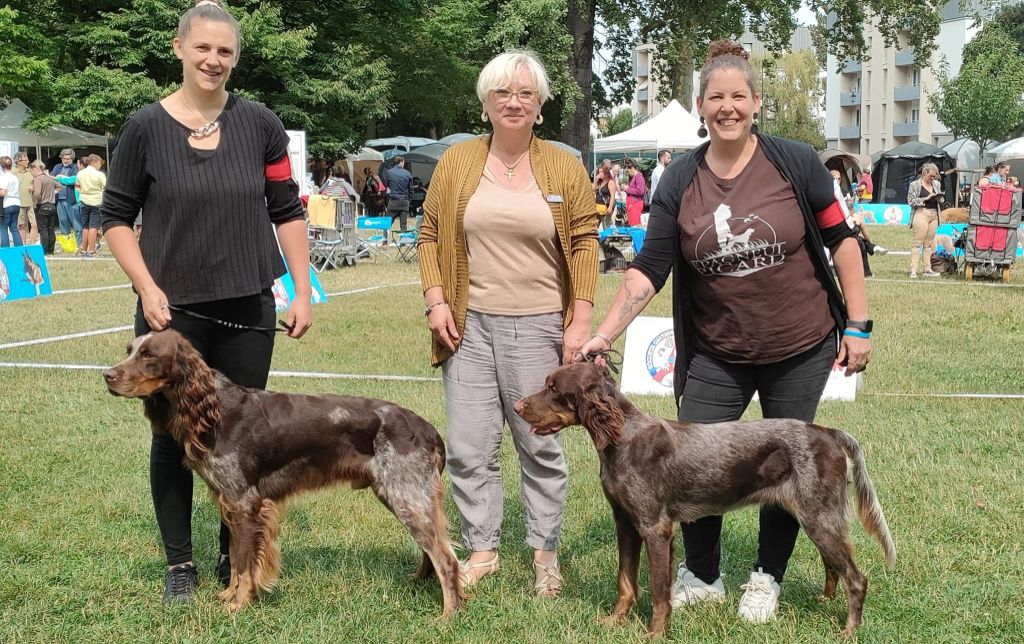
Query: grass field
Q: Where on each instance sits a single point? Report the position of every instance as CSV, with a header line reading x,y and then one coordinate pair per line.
x,y
80,559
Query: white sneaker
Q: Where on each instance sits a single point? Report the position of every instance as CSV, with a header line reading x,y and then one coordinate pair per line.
x,y
880,251
761,599
932,274
913,275
688,588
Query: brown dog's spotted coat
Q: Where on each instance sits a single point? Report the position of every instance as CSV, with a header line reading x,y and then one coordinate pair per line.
x,y
657,472
254,448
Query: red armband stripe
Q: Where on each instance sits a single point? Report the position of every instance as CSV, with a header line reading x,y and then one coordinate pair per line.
x,y
831,216
280,170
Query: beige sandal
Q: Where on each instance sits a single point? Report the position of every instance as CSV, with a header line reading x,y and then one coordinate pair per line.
x,y
488,567
549,580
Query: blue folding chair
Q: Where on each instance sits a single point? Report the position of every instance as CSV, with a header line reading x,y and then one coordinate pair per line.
x,y
376,244
406,242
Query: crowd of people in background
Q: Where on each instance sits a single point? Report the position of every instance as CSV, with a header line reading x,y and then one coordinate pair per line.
x,y
37,201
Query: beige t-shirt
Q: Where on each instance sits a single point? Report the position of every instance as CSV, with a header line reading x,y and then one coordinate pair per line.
x,y
515,264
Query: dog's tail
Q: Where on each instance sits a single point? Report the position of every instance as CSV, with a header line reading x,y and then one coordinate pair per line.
x,y
868,507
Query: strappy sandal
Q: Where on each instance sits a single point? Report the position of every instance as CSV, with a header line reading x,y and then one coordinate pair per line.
x,y
488,567
549,580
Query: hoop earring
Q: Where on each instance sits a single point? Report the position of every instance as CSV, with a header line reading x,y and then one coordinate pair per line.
x,y
483,116
753,128
540,118
702,131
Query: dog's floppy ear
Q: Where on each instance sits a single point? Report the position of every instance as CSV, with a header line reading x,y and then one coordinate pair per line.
x,y
198,406
599,413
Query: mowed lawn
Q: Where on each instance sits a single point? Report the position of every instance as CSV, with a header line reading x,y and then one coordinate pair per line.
x,y
80,558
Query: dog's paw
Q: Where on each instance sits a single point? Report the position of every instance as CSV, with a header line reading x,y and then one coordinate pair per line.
x,y
612,621
227,594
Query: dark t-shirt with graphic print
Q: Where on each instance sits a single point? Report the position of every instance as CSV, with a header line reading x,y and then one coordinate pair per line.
x,y
757,299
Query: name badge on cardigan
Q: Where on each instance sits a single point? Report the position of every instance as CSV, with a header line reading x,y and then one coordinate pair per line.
x,y
555,199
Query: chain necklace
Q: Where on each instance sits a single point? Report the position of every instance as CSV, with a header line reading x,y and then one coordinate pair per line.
x,y
510,169
202,131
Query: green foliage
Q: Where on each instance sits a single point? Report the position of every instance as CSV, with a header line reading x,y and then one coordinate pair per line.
x,y
792,95
21,73
984,101
620,121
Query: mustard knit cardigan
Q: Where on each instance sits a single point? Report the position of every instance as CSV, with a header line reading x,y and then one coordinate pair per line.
x,y
442,239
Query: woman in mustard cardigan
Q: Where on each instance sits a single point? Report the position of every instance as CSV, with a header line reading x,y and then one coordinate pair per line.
x,y
508,264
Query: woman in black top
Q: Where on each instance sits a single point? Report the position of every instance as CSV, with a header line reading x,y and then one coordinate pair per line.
x,y
211,171
741,224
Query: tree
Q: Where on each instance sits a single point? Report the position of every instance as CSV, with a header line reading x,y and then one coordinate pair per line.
x,y
22,73
791,95
984,101
620,121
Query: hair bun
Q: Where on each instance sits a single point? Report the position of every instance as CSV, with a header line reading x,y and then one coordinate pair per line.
x,y
200,3
726,48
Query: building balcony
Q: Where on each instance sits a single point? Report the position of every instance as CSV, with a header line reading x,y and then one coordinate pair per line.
x,y
906,129
849,99
905,57
642,94
849,131
906,93
851,66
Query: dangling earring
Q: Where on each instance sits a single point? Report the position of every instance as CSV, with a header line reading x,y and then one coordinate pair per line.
x,y
540,118
702,131
483,116
753,128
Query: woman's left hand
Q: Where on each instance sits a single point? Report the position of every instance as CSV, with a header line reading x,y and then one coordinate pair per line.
x,y
573,338
300,317
855,353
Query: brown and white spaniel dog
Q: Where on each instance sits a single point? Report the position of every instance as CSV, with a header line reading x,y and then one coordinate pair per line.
x,y
255,448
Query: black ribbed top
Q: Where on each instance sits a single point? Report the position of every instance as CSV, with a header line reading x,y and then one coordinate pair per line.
x,y
208,231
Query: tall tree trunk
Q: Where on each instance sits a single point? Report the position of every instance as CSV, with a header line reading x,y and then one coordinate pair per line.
x,y
580,23
682,74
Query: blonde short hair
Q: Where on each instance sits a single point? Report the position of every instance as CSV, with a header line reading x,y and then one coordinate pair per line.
x,y
501,70
929,167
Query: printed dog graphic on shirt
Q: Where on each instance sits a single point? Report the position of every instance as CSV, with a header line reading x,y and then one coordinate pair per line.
x,y
738,254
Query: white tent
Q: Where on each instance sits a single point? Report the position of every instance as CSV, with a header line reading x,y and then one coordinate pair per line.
x,y
671,129
1012,149
12,120
365,158
966,152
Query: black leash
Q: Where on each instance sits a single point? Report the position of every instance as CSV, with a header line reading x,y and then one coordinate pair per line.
x,y
232,325
613,363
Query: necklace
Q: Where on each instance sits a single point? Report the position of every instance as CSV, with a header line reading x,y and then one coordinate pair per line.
x,y
510,169
202,131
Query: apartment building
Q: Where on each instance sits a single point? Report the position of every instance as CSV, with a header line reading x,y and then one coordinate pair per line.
x,y
876,104
645,97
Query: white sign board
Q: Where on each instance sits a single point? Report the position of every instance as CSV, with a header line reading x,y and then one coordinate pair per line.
x,y
297,159
650,357
8,148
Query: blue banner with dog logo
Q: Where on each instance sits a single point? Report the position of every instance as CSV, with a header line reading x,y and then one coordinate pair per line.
x,y
284,290
23,273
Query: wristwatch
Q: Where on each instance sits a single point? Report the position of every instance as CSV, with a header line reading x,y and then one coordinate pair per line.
x,y
860,325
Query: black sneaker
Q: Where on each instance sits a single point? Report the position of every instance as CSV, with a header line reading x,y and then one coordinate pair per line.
x,y
180,584
224,570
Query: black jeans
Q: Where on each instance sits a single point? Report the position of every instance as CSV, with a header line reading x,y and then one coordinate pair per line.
x,y
46,220
244,357
718,391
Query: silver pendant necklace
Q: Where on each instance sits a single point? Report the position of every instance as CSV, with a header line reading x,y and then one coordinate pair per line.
x,y
202,131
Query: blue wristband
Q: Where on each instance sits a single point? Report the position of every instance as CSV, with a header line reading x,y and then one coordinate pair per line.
x,y
853,333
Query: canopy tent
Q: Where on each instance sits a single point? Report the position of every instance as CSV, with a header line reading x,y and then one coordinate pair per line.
x,y
422,161
896,168
671,129
358,162
848,164
12,121
406,143
966,153
1012,152
452,139
568,148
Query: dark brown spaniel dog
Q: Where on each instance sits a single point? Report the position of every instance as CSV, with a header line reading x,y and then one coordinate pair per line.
x,y
254,448
656,472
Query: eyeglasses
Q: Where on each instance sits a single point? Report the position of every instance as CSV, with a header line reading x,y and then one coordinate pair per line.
x,y
503,95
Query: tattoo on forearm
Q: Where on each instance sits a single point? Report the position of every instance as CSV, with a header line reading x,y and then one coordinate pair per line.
x,y
632,301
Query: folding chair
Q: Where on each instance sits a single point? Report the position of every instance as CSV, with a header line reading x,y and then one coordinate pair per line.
x,y
376,244
332,240
406,242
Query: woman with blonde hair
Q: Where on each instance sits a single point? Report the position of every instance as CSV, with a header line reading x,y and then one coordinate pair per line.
x,y
925,198
211,171
508,265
